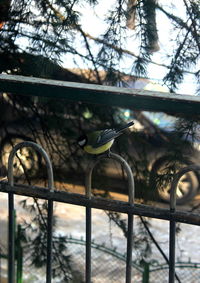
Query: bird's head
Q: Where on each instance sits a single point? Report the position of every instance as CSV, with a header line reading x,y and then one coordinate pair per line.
x,y
82,141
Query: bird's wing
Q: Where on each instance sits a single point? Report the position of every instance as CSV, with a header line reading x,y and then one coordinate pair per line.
x,y
93,137
124,127
99,138
106,136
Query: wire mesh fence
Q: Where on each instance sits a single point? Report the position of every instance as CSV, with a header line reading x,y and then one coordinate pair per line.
x,y
186,273
109,266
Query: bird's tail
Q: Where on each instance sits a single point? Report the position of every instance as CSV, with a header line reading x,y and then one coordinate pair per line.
x,y
120,129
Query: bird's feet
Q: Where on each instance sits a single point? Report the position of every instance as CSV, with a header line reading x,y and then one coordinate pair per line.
x,y
108,153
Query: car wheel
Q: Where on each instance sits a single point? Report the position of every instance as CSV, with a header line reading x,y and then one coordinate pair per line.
x,y
27,160
161,177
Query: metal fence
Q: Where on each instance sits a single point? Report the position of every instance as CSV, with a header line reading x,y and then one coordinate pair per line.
x,y
146,272
91,94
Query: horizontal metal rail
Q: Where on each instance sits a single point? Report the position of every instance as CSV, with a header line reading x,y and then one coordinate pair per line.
x,y
100,203
137,99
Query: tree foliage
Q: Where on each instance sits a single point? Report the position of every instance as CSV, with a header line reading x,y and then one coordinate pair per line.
x,y
39,37
54,28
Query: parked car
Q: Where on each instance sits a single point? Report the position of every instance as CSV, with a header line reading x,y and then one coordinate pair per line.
x,y
20,123
166,150
156,150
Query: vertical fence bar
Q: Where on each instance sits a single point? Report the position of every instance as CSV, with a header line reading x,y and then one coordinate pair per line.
x,y
131,190
11,209
172,230
145,274
49,217
49,241
11,239
19,256
172,247
88,216
129,248
88,245
11,222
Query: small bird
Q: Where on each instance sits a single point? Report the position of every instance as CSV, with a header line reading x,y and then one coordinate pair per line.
x,y
98,142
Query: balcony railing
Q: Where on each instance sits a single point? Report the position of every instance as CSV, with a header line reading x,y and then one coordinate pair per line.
x,y
113,96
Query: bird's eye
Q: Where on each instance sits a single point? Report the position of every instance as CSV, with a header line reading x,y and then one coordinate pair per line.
x,y
82,142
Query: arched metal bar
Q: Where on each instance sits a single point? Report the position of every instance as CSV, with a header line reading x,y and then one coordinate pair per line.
x,y
131,190
39,149
175,181
11,233
172,227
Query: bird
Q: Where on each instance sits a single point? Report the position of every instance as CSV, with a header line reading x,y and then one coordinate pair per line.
x,y
98,142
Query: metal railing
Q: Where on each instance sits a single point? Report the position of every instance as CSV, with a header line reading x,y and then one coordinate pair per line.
x,y
131,190
89,203
88,93
172,227
11,216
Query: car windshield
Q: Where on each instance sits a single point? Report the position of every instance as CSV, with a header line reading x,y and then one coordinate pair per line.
x,y
162,120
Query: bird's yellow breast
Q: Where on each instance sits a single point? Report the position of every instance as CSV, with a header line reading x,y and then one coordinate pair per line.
x,y
98,150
